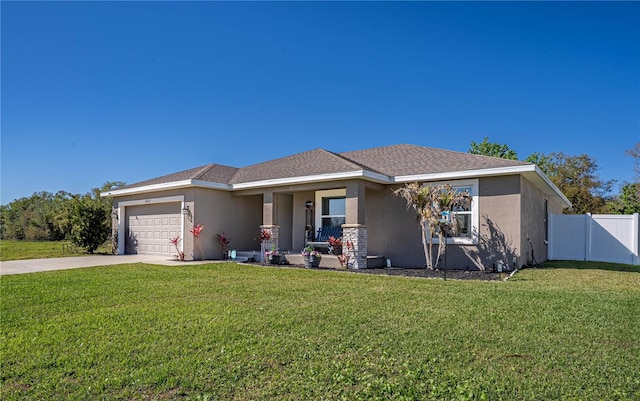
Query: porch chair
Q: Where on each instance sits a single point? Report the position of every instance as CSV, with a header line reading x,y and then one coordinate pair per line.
x,y
322,238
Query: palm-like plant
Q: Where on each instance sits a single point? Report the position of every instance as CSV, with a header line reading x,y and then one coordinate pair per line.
x,y
431,203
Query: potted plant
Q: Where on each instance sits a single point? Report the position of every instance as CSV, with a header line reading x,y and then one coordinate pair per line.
x,y
311,257
273,256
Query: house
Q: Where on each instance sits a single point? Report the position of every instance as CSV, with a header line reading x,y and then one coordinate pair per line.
x,y
292,196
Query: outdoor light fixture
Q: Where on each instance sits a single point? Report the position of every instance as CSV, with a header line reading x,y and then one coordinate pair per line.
x,y
114,214
309,204
186,211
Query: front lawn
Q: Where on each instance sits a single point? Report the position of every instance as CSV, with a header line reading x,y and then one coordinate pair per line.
x,y
17,250
236,332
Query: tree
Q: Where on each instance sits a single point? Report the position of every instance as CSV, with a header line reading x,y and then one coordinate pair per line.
x,y
48,216
576,177
91,217
32,218
628,202
431,203
91,223
487,148
635,153
544,162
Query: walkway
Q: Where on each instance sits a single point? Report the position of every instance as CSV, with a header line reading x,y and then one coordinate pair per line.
x,y
41,265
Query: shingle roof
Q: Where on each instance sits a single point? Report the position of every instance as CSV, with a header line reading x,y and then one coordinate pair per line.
x,y
217,173
399,160
395,160
313,162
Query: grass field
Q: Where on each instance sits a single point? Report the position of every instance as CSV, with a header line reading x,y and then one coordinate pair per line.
x,y
15,250
236,332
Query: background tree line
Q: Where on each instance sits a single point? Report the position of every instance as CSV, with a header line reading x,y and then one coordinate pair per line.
x,y
85,220
576,176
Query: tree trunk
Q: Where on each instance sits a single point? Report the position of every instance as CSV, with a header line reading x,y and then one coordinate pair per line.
x,y
427,246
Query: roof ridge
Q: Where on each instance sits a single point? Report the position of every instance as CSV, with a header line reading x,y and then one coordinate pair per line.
x,y
338,155
203,170
361,165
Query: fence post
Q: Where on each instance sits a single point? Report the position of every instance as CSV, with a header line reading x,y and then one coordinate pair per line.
x,y
551,237
589,236
635,235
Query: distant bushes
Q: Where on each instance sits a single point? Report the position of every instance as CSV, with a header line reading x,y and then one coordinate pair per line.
x,y
83,219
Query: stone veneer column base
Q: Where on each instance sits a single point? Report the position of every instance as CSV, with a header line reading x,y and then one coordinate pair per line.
x,y
275,239
357,234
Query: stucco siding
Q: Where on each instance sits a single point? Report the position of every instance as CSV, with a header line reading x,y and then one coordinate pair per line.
x,y
533,222
394,232
499,229
285,221
220,211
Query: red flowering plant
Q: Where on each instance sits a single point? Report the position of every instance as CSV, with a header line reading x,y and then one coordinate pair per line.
x,y
344,257
223,242
196,230
175,241
264,238
335,245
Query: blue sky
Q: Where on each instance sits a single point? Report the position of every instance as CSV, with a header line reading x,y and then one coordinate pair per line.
x,y
126,91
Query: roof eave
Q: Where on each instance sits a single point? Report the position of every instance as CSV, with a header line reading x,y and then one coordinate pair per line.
x,y
165,186
531,171
362,174
553,190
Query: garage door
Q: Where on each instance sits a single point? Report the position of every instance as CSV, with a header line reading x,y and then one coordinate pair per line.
x,y
150,227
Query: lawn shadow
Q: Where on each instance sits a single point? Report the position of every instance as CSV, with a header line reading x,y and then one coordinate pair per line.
x,y
589,265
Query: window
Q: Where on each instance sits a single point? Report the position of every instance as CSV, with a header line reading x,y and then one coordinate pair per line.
x,y
468,217
463,215
331,208
333,211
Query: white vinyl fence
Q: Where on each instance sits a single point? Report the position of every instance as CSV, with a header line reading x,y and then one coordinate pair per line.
x,y
598,237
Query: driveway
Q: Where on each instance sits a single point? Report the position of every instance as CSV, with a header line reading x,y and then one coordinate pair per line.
x,y
41,265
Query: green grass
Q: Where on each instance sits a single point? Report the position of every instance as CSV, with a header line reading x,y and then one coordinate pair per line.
x,y
235,332
15,250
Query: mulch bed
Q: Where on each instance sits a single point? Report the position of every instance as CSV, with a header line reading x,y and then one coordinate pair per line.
x,y
435,274
423,273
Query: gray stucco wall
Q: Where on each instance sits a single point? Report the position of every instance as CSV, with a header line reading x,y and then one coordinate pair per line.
x,y
500,213
285,221
239,217
533,220
393,230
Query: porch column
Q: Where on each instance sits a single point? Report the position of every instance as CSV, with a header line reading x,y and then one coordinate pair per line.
x,y
269,222
354,230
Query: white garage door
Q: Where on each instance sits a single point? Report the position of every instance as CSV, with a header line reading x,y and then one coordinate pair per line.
x,y
150,227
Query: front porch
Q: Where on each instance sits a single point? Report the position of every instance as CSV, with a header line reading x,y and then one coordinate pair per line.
x,y
295,258
292,216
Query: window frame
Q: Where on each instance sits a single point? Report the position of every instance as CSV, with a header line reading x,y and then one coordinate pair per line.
x,y
331,193
474,225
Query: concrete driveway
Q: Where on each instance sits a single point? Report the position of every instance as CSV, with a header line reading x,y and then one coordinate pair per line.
x,y
41,265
